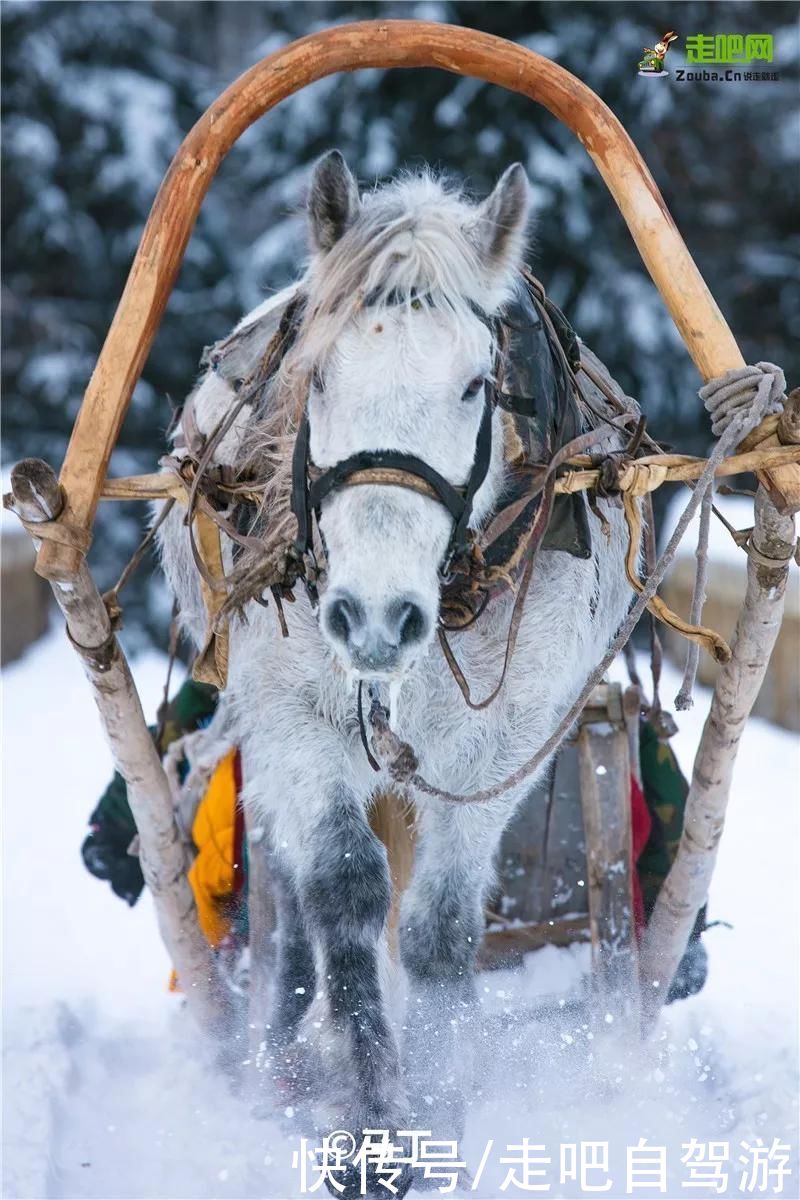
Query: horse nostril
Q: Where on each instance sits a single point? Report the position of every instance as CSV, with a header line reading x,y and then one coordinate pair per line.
x,y
408,620
344,616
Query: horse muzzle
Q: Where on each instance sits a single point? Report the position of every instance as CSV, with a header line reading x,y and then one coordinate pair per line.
x,y
374,639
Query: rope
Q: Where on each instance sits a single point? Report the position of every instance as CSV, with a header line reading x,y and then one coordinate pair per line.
x,y
684,699
56,531
640,476
744,540
738,394
111,597
737,405
737,401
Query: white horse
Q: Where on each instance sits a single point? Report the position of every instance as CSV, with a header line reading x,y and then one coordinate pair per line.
x,y
394,352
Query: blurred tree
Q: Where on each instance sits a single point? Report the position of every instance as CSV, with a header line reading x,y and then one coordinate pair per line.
x,y
98,94
96,97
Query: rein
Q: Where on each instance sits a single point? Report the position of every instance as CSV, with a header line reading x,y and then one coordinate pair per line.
x,y
521,536
474,567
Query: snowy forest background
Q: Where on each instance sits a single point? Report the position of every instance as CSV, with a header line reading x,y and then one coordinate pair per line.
x,y
97,96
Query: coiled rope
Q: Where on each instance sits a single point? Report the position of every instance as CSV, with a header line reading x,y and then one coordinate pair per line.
x,y
736,402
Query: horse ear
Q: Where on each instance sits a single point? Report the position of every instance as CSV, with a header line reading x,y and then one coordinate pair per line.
x,y
333,201
501,220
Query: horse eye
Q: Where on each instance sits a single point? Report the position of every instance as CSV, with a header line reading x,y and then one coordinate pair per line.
x,y
473,388
317,382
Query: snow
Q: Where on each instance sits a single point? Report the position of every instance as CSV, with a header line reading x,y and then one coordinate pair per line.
x,y
107,1093
33,140
144,107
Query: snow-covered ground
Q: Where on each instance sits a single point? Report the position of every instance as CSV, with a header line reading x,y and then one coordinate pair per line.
x,y
106,1093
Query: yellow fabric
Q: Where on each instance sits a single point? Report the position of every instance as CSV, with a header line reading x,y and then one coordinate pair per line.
x,y
211,875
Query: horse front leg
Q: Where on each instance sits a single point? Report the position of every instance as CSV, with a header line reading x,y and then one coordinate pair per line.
x,y
340,877
441,926
293,985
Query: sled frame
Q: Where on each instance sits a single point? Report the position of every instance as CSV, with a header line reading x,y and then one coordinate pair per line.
x,y
66,520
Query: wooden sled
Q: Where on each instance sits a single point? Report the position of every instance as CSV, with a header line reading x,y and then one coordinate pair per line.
x,y
566,858
59,514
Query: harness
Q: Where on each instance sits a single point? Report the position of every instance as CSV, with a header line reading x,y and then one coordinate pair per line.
x,y
389,467
533,383
535,344
545,387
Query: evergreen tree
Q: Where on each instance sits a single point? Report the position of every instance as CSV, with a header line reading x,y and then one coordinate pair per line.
x,y
96,98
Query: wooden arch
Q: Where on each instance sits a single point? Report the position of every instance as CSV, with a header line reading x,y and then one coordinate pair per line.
x,y
59,518
347,48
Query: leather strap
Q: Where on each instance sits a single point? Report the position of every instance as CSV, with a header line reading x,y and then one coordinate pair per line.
x,y
480,468
341,474
393,468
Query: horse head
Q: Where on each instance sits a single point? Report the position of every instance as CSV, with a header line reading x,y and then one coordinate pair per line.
x,y
398,343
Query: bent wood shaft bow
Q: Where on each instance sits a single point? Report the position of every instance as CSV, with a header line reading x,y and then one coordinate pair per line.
x,y
379,44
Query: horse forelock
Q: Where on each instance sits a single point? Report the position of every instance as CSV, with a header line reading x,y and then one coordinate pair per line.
x,y
411,239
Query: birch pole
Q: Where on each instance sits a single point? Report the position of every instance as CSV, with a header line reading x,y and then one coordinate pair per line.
x,y
686,887
37,499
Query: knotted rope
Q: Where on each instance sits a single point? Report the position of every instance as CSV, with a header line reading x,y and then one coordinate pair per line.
x,y
736,402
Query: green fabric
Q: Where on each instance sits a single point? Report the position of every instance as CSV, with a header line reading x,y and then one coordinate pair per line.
x,y
665,791
190,707
113,807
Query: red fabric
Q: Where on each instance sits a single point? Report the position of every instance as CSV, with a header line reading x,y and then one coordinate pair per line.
x,y
641,825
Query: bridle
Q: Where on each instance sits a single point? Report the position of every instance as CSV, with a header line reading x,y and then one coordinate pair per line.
x,y
533,381
391,468
310,487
